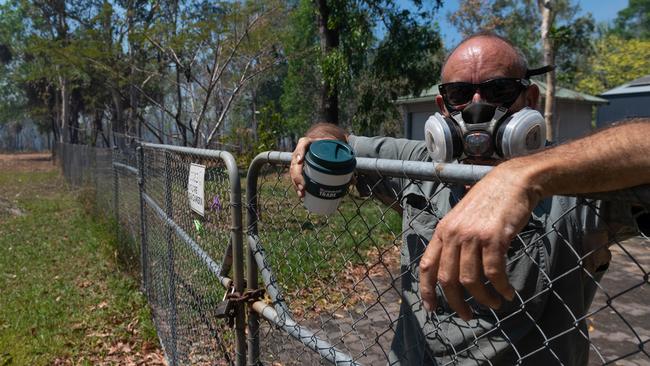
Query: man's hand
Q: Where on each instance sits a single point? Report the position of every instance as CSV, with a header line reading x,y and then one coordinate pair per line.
x,y
470,243
297,159
319,131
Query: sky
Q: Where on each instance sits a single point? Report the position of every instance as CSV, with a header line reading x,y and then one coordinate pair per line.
x,y
602,10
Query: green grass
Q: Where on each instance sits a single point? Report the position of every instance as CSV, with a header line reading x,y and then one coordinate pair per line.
x,y
63,295
312,251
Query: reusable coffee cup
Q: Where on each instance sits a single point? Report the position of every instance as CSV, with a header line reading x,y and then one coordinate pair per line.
x,y
327,171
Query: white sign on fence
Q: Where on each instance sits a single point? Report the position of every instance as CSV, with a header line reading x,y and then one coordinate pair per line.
x,y
195,188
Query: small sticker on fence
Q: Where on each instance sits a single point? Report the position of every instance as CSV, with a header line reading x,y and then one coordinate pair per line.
x,y
195,188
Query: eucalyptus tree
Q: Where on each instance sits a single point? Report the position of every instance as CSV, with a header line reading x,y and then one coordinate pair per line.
x,y
210,54
361,55
633,21
12,97
113,63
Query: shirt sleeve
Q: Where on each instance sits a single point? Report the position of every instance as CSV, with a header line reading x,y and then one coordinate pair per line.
x,y
388,148
388,190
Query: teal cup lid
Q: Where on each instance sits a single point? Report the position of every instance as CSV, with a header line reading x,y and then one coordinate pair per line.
x,y
331,157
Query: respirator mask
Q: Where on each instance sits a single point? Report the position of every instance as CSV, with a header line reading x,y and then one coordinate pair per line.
x,y
483,130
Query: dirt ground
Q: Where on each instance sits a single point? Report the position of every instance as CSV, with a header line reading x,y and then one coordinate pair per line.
x,y
27,162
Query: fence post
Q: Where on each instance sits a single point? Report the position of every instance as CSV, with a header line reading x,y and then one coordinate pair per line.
x,y
144,250
169,208
236,239
116,202
251,265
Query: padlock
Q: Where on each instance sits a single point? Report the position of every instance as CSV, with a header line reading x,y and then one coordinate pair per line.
x,y
226,309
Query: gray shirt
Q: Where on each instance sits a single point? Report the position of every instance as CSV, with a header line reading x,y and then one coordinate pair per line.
x,y
554,264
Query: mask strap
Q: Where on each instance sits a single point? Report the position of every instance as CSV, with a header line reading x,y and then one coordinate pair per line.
x,y
458,117
539,71
498,114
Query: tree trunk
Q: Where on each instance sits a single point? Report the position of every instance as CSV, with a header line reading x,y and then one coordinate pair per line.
x,y
75,108
546,8
179,108
134,128
117,117
329,41
254,113
65,108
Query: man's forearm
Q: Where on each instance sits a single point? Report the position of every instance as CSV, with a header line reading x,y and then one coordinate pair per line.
x,y
614,158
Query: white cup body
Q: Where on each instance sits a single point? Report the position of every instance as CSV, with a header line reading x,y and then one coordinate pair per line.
x,y
319,205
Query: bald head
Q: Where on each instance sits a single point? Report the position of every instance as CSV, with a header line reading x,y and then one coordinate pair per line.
x,y
482,57
487,56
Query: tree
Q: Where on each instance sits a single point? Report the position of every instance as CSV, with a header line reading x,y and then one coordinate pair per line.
x,y
211,59
300,88
517,20
633,21
520,21
546,8
12,98
358,74
614,62
114,62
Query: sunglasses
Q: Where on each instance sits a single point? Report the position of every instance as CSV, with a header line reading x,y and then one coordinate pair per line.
x,y
503,91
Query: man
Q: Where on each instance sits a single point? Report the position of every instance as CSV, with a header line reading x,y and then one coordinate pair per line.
x,y
542,255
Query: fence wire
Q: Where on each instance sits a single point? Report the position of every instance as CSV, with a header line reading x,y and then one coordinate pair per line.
x,y
343,278
186,256
340,289
185,259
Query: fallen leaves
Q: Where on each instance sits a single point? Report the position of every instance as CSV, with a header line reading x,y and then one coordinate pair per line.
x,y
119,353
119,348
84,284
101,305
146,355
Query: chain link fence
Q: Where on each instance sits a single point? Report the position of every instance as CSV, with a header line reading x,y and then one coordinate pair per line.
x,y
184,258
340,289
343,288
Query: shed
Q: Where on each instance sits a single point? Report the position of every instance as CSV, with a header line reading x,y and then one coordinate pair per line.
x,y
573,112
628,100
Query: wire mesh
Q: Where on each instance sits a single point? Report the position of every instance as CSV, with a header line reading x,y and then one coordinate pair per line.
x,y
344,288
185,257
184,286
127,210
351,278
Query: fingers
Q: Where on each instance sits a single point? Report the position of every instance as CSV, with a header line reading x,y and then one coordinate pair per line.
x,y
471,276
295,170
494,267
429,273
461,262
449,280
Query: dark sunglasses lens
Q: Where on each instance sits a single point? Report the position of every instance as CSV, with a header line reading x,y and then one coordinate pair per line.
x,y
500,90
459,93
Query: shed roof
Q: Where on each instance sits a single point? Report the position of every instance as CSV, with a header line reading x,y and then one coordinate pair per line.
x,y
640,85
560,93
